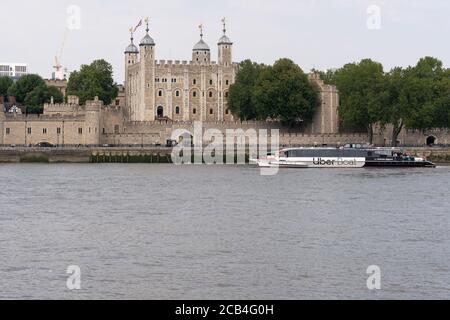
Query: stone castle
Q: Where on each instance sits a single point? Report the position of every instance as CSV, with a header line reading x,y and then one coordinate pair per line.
x,y
158,97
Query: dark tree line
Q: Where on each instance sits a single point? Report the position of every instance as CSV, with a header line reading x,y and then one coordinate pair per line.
x,y
416,97
282,92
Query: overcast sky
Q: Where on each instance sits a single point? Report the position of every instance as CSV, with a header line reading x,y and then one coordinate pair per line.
x,y
317,34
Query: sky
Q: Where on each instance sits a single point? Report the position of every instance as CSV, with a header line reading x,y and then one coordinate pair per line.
x,y
318,34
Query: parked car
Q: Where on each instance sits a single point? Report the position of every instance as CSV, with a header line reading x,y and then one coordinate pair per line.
x,y
45,145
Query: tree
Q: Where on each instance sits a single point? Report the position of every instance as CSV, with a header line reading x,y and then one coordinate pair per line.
x,y
363,93
428,92
328,76
25,85
240,97
284,92
397,105
5,84
41,95
93,80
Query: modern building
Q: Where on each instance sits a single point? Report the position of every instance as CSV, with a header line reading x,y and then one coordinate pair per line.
x,y
13,70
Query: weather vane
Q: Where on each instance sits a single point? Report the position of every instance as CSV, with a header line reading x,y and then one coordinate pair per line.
x,y
224,22
200,27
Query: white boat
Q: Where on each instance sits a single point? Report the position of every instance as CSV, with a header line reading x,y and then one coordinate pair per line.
x,y
347,157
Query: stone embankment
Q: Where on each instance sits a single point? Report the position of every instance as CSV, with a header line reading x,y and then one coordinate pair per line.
x,y
144,155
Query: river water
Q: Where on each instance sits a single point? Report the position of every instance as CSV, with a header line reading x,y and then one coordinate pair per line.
x,y
222,232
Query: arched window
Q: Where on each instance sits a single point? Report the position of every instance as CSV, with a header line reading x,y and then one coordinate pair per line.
x,y
227,82
194,94
211,111
211,82
160,93
194,111
210,94
177,110
226,94
194,81
160,112
177,93
227,112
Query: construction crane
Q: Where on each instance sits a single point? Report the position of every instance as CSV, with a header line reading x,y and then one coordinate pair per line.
x,y
59,73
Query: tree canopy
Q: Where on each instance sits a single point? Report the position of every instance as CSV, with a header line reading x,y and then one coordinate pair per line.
x,y
25,85
416,97
35,99
93,80
362,93
5,84
240,98
282,91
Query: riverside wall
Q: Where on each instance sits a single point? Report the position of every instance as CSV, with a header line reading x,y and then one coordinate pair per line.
x,y
145,154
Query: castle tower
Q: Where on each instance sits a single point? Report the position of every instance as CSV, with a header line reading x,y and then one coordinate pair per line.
x,y
146,110
201,54
131,57
226,73
225,48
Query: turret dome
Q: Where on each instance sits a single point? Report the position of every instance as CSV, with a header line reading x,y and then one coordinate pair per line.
x,y
147,41
132,48
201,46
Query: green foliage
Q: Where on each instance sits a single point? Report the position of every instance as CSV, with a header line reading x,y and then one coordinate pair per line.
x,y
282,91
240,98
328,77
429,91
5,84
93,80
362,93
25,85
35,99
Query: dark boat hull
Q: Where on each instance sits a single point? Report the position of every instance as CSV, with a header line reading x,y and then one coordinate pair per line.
x,y
399,164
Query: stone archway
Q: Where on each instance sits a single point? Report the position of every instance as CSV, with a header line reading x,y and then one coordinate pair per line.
x,y
431,140
160,112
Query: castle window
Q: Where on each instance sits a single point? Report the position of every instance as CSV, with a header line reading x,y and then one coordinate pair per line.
x,y
160,93
80,130
210,94
194,111
177,93
58,130
227,112
227,82
194,81
8,130
117,102
226,94
211,111
177,110
194,94
211,82
104,131
44,131
29,130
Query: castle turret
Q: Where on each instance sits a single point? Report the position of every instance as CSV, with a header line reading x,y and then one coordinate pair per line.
x,y
146,110
131,58
225,48
201,53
